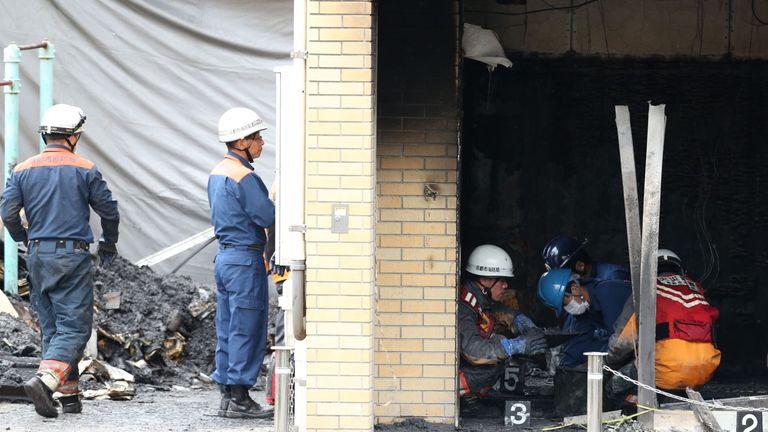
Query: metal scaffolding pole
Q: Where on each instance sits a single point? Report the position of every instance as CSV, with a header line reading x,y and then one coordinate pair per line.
x,y
46,55
12,59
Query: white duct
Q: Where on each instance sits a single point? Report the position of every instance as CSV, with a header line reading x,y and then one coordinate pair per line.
x,y
290,227
290,245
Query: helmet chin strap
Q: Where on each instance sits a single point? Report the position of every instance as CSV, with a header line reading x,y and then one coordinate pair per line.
x,y
486,289
72,146
247,152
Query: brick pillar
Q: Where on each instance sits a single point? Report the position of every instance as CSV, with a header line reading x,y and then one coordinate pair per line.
x,y
416,231
340,170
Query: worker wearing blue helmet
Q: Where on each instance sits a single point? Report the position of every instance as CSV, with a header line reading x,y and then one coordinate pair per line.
x,y
592,305
567,252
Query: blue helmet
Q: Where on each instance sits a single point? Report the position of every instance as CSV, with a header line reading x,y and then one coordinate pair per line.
x,y
552,286
559,252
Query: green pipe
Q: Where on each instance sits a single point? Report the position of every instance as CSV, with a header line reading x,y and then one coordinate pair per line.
x,y
12,59
46,55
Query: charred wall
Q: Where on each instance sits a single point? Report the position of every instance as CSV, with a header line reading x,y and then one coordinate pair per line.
x,y
540,157
416,238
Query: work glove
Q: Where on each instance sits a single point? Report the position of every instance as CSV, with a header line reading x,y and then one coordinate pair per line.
x,y
523,323
600,334
275,268
528,344
107,253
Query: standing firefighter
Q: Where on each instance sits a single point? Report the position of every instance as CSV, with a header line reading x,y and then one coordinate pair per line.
x,y
56,189
240,212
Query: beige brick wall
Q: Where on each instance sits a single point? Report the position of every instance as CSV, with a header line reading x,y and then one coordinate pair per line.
x,y
416,244
340,169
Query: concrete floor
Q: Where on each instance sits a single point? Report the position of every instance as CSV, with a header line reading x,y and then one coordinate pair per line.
x,y
175,411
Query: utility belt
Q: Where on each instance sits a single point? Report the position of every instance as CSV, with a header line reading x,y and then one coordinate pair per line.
x,y
51,245
254,248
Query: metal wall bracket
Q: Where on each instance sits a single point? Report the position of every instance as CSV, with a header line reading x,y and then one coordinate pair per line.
x,y
300,55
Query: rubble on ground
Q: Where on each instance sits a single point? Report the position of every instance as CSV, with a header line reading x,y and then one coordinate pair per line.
x,y
160,328
156,329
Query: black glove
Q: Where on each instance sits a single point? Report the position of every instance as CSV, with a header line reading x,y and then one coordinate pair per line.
x,y
276,268
535,343
107,253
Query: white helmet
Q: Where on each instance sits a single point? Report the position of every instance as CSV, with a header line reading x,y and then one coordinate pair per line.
x,y
238,123
489,260
62,119
666,256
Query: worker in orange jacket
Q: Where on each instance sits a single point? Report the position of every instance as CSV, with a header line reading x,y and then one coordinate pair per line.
x,y
686,355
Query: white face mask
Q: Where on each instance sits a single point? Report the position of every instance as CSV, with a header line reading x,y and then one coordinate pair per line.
x,y
575,308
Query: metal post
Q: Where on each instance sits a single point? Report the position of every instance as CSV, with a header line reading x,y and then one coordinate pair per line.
x,y
646,309
594,391
46,55
282,387
12,59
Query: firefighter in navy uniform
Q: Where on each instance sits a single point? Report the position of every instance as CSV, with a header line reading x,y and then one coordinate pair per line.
x,y
591,308
57,188
567,252
686,355
240,212
483,352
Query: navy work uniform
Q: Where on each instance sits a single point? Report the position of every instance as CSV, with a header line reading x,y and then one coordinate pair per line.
x,y
606,302
56,189
240,211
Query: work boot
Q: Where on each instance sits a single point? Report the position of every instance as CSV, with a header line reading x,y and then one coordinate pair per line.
x,y
71,404
473,406
41,396
226,395
242,406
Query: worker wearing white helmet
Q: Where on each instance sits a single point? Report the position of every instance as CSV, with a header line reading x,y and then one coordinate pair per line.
x,y
241,210
483,351
57,189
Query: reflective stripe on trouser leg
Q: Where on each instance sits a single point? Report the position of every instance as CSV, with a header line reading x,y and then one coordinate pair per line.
x,y
69,388
53,373
463,384
241,274
62,291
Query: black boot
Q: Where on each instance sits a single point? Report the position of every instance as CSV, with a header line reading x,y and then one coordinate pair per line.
x,y
226,395
71,404
242,406
41,396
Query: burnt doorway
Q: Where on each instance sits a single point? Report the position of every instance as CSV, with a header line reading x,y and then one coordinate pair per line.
x,y
540,157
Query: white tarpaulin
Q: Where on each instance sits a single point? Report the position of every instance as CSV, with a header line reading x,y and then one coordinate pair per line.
x,y
153,77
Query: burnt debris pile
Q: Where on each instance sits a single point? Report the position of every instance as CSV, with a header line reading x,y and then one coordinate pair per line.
x,y
158,328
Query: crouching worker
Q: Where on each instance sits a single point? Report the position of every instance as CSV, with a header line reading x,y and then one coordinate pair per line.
x,y
685,352
567,252
482,350
592,307
57,189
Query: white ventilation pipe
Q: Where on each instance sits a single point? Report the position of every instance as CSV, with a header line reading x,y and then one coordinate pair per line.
x,y
290,247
